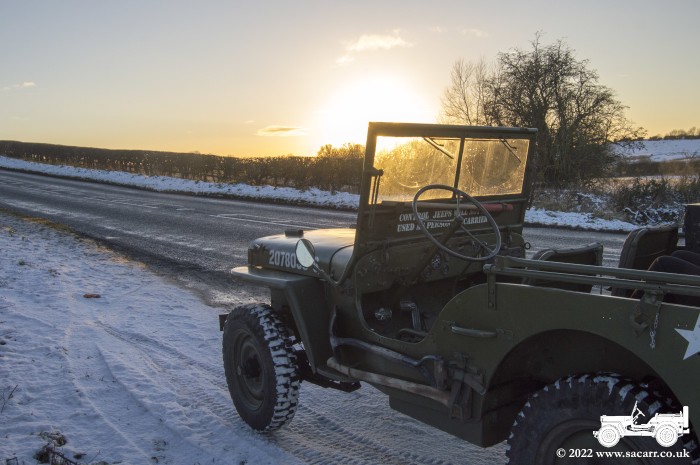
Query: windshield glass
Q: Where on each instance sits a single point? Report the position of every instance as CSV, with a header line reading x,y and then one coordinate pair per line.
x,y
477,166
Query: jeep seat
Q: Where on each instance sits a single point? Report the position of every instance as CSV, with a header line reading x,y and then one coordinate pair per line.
x,y
644,245
590,254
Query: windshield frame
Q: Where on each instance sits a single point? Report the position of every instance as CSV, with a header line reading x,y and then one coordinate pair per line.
x,y
438,131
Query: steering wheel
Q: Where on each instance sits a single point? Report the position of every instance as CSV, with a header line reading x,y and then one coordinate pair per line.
x,y
458,219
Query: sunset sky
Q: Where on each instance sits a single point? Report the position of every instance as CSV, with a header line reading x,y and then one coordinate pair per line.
x,y
273,77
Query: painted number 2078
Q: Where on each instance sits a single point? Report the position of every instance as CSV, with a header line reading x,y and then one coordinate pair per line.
x,y
284,259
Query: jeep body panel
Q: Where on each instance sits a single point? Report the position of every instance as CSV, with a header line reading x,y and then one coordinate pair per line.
x,y
517,343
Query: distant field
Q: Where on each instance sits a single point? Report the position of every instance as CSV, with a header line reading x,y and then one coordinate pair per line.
x,y
679,157
663,151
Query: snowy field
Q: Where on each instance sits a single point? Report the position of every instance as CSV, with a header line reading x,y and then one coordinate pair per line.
x,y
664,150
312,196
126,368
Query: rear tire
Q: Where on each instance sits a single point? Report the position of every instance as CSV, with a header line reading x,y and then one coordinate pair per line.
x,y
562,417
261,367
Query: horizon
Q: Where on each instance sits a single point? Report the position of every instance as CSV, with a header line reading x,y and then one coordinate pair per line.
x,y
235,79
664,138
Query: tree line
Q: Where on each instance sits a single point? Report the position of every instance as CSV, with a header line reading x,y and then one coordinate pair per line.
x,y
334,168
692,133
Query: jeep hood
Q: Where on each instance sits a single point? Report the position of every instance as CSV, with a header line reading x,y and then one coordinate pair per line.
x,y
333,251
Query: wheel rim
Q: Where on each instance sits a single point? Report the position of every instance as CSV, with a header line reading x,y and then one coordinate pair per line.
x,y
250,375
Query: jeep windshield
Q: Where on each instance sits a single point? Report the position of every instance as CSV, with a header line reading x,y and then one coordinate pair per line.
x,y
438,160
478,166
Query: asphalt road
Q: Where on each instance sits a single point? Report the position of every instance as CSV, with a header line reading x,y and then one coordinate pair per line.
x,y
197,240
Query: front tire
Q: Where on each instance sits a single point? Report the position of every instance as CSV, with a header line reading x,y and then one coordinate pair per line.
x,y
261,367
563,415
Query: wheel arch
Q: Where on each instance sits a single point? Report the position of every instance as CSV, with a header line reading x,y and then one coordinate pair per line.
x,y
551,355
563,414
303,307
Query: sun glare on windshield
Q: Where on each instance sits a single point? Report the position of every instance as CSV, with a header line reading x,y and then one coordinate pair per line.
x,y
480,166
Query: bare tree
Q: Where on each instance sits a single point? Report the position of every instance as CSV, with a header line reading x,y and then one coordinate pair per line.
x,y
546,87
463,101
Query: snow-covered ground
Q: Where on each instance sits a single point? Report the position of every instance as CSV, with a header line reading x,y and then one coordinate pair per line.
x,y
126,368
109,356
286,194
663,150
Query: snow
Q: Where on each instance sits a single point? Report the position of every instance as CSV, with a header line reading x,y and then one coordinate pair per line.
x,y
312,196
575,220
132,376
663,150
126,367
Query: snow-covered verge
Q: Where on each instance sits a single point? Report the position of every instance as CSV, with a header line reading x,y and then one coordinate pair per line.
x,y
99,353
107,363
312,196
576,220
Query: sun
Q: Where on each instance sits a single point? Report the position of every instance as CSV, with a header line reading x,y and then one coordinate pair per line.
x,y
344,116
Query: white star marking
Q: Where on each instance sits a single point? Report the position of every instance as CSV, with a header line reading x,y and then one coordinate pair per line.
x,y
693,338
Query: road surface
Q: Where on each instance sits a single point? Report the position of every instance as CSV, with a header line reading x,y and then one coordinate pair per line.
x,y
197,240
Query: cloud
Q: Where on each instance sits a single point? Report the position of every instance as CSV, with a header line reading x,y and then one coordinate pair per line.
x,y
475,32
24,85
281,131
371,43
345,60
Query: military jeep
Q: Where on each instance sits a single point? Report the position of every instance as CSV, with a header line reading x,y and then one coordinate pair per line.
x,y
431,300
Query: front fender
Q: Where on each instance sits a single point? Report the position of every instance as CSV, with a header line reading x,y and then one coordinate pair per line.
x,y
305,297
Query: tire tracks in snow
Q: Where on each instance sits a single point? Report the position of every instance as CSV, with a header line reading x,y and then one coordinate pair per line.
x,y
200,387
313,436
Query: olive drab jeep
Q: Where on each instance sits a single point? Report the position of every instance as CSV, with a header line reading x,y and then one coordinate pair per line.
x,y
431,300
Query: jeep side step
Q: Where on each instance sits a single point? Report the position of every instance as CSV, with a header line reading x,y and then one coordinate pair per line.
x,y
324,376
422,390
